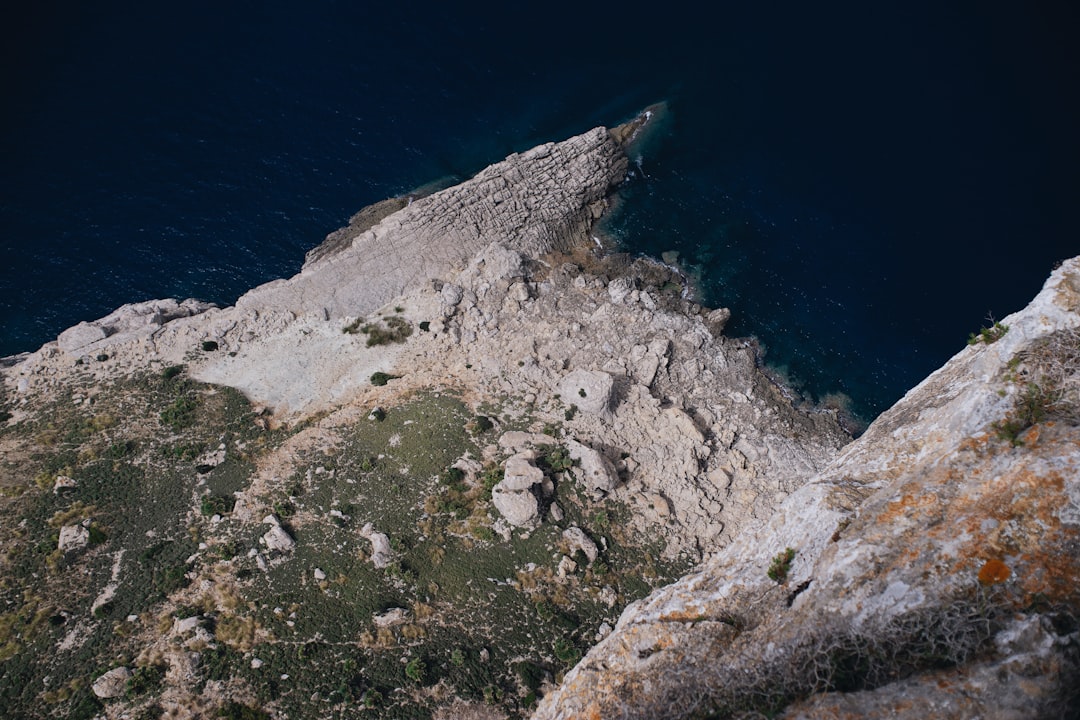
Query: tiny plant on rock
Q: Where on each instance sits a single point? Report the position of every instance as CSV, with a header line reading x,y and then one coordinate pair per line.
x,y
781,566
988,335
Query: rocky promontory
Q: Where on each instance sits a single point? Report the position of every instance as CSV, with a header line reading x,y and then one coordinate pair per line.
x,y
450,468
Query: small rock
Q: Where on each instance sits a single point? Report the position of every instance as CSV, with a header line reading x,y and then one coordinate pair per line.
x,y
63,482
390,618
717,320
566,567
183,627
73,537
603,631
517,441
556,512
319,574
276,538
79,336
112,684
382,555
594,470
578,540
256,663
619,288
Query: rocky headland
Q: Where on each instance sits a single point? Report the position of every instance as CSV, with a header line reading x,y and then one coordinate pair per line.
x,y
457,465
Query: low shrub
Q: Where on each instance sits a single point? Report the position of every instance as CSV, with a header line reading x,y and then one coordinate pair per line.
x,y
988,335
781,566
416,670
378,379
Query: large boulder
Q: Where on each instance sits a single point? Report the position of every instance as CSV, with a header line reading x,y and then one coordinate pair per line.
x,y
595,473
519,473
590,390
79,336
519,507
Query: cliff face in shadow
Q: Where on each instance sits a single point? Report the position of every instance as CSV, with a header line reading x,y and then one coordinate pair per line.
x,y
461,448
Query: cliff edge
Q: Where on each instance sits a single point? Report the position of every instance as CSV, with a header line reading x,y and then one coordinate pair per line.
x,y
931,569
462,448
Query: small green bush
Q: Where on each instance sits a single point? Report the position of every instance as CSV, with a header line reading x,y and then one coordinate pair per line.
x,y
416,670
566,651
988,335
372,698
392,330
452,476
480,424
570,413
145,679
555,458
172,371
425,326
180,414
1029,411
378,379
238,711
781,565
217,505
209,345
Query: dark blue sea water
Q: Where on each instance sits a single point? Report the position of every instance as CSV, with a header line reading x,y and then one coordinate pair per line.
x,y
862,183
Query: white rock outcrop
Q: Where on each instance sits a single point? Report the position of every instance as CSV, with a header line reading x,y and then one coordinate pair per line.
x,y
73,537
382,553
112,684
945,534
590,390
277,538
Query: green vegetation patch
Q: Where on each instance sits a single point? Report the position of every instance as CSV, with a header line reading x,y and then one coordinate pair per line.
x,y
127,455
392,329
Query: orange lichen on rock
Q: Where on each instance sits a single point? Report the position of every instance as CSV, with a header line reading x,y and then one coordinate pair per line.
x,y
994,571
911,507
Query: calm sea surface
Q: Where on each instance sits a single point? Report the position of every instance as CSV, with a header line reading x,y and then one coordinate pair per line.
x,y
863,185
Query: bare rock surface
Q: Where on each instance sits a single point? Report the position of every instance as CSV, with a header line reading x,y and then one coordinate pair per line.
x,y
536,201
382,553
660,413
112,684
945,535
73,537
590,390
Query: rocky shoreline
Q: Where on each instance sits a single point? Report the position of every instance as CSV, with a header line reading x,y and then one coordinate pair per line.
x,y
597,390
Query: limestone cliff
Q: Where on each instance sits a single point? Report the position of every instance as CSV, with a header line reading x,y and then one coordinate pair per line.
x,y
466,440
935,565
